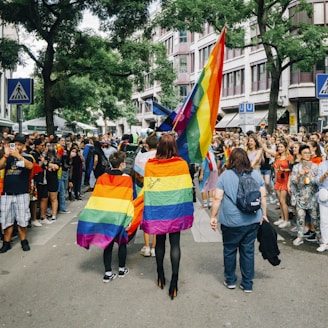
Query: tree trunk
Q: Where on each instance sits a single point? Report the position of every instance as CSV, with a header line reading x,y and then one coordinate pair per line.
x,y
49,105
273,106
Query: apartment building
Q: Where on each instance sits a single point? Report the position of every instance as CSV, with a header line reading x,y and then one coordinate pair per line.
x,y
245,80
5,109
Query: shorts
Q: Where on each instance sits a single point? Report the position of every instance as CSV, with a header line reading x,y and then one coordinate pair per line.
x,y
42,191
15,207
266,172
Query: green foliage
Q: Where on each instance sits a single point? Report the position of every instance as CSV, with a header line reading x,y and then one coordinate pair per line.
x,y
78,71
9,53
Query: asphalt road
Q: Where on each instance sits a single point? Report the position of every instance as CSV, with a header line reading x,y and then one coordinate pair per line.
x,y
59,284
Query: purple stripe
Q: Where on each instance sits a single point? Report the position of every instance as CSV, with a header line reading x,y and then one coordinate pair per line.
x,y
159,227
98,240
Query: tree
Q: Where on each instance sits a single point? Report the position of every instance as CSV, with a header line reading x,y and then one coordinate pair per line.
x,y
285,43
114,64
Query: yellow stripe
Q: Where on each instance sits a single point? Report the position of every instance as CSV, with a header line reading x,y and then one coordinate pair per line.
x,y
108,204
168,183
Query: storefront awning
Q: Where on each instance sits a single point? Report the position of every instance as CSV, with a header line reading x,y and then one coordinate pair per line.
x,y
226,120
4,122
280,113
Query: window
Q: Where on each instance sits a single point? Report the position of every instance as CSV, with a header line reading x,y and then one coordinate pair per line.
x,y
192,62
183,36
169,45
319,13
183,90
203,55
183,68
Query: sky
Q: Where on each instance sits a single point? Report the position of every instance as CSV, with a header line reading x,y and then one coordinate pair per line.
x,y
89,21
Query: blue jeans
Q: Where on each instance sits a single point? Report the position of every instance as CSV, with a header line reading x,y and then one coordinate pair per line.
x,y
242,239
63,182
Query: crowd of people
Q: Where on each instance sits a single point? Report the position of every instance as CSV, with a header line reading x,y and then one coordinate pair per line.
x,y
39,174
294,169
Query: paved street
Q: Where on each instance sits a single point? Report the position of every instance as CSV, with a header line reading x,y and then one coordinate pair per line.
x,y
59,284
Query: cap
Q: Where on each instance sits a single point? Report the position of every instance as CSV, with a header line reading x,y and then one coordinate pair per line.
x,y
19,138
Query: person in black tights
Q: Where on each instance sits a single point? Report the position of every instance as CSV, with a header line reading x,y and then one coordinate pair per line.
x,y
167,182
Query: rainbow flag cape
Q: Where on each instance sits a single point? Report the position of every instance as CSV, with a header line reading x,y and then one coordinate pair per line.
x,y
196,119
108,212
168,205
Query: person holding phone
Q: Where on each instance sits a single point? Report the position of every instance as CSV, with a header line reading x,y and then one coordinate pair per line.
x,y
15,199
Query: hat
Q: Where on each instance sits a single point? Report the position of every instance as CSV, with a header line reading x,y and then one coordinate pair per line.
x,y
37,142
323,195
19,138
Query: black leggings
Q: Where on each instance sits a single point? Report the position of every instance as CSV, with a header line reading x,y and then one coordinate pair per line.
x,y
175,252
108,256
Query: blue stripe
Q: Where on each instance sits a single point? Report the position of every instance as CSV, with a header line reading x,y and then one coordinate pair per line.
x,y
168,212
110,230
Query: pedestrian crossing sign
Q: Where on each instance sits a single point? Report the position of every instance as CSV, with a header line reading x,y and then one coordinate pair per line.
x,y
322,86
20,91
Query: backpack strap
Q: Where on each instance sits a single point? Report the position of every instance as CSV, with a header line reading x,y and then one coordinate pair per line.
x,y
238,175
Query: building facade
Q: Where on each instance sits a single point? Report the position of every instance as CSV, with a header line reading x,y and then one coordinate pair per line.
x,y
6,114
245,80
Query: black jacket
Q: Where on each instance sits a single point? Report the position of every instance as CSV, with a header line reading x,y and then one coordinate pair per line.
x,y
267,237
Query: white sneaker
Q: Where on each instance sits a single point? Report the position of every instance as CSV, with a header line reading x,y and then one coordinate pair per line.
x,y
322,248
145,251
284,224
36,223
294,229
152,252
46,221
298,241
278,222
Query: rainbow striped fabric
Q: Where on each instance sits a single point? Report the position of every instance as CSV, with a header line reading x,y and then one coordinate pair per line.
x,y
108,212
197,117
168,205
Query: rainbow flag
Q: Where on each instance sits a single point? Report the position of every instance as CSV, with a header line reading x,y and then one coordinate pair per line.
x,y
108,212
168,205
197,117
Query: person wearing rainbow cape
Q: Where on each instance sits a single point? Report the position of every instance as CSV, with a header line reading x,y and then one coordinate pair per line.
x,y
108,216
168,205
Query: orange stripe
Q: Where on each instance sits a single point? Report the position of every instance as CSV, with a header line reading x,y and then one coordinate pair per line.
x,y
113,192
171,167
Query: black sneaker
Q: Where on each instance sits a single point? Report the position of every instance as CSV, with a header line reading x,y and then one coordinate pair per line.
x,y
123,272
309,233
5,247
108,278
312,238
25,246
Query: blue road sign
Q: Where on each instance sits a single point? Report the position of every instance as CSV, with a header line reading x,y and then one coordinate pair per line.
x,y
246,108
321,90
20,91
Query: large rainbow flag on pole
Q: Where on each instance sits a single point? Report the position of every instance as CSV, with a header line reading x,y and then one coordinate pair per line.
x,y
168,205
196,119
108,212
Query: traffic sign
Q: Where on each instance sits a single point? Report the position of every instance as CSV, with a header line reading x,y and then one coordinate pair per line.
x,y
321,90
246,108
20,91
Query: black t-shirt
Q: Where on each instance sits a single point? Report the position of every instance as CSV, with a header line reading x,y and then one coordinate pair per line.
x,y
17,179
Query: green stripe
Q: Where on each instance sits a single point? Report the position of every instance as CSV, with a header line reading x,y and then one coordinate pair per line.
x,y
172,197
95,216
192,129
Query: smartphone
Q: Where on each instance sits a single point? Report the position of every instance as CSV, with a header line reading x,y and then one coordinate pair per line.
x,y
12,146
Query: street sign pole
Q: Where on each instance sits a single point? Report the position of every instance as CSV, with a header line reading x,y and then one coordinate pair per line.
x,y
20,118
